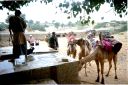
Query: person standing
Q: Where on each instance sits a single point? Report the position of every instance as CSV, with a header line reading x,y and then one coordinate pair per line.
x,y
17,27
53,41
71,38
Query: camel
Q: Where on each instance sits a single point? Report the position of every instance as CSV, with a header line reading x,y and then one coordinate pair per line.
x,y
85,49
72,49
99,54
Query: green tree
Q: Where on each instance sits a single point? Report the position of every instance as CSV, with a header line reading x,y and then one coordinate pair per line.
x,y
7,19
56,24
70,24
3,26
74,7
37,26
30,23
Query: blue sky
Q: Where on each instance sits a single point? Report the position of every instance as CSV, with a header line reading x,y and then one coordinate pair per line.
x,y
41,12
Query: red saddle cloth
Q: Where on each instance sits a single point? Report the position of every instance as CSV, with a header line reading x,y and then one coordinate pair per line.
x,y
111,44
107,44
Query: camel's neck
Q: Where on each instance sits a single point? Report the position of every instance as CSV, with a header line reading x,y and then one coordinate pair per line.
x,y
90,57
82,47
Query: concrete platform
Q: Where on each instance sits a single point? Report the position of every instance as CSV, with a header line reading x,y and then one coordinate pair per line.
x,y
42,66
38,50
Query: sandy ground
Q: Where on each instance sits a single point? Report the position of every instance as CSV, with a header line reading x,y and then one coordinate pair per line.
x,y
122,63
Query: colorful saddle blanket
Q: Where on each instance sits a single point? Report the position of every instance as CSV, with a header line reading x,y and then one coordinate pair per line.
x,y
107,44
110,44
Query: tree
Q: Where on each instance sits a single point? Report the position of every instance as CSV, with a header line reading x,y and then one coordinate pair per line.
x,y
3,26
38,26
57,24
70,24
7,19
74,7
23,16
30,23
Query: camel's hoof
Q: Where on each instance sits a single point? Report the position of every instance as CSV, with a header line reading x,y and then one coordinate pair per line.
x,y
97,80
116,77
102,81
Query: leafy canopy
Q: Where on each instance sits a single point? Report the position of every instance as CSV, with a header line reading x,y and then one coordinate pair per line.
x,y
73,7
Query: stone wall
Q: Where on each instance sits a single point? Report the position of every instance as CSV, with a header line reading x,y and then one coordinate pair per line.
x,y
4,37
62,74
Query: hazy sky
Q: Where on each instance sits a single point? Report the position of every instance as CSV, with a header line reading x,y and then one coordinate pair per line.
x,y
41,12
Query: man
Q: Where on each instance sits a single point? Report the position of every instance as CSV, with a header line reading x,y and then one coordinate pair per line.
x,y
93,41
31,40
53,41
71,38
17,27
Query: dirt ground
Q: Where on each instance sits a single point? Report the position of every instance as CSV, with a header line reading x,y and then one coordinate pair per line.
x,y
122,63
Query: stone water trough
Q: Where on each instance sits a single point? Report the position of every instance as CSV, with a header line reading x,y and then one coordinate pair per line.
x,y
43,65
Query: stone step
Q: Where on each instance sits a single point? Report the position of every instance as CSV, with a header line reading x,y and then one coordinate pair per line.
x,y
43,81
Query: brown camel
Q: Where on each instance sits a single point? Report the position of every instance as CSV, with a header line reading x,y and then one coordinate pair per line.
x,y
85,49
99,54
72,49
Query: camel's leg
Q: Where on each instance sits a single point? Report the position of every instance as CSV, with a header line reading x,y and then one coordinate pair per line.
x,y
110,66
102,71
115,62
85,69
80,56
74,54
89,63
98,70
68,52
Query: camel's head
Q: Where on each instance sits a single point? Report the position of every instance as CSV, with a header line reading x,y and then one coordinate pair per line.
x,y
80,42
72,46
